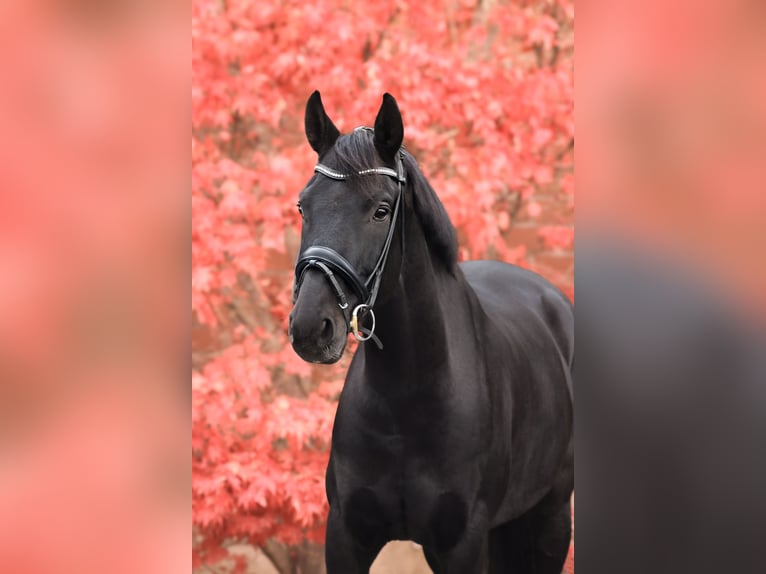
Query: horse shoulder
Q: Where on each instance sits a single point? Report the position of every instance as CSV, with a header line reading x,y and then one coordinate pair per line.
x,y
520,303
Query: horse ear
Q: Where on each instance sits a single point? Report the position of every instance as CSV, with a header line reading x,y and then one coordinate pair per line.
x,y
389,130
320,131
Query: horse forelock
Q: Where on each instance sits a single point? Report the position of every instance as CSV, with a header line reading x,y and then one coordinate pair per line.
x,y
353,153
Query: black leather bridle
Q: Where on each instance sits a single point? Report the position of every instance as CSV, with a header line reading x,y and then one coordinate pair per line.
x,y
333,264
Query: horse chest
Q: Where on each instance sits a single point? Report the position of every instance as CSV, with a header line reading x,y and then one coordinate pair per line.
x,y
410,477
405,497
418,429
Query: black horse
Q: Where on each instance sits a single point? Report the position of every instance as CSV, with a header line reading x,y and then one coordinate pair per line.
x,y
454,427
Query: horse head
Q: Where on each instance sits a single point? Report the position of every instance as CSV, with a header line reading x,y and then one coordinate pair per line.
x,y
350,209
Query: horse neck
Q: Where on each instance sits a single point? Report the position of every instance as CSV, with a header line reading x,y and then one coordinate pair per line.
x,y
414,321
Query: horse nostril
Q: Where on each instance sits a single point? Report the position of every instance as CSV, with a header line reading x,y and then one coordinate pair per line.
x,y
328,330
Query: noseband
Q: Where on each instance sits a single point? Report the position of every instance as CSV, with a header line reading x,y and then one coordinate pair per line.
x,y
332,264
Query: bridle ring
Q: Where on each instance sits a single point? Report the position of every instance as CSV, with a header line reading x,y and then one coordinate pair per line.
x,y
354,323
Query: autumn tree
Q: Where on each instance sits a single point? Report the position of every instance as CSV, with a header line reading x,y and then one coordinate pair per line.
x,y
486,90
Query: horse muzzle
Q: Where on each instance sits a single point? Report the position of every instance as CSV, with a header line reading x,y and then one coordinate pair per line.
x,y
317,327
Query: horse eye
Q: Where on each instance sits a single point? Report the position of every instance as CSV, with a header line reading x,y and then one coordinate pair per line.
x,y
300,209
382,212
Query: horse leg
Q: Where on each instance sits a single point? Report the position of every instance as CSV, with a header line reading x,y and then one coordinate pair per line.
x,y
510,547
554,521
432,560
466,555
343,553
553,538
536,542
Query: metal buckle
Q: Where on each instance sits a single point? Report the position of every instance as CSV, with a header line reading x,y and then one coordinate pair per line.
x,y
354,323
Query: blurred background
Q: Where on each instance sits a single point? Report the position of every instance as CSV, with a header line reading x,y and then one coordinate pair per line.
x,y
671,286
94,227
486,91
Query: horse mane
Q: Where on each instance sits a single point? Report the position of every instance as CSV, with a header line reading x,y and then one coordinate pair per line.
x,y
440,234
356,151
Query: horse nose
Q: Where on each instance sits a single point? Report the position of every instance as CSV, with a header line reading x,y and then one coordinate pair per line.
x,y
317,333
328,331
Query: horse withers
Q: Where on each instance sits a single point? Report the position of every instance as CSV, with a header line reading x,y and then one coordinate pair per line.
x,y
454,428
